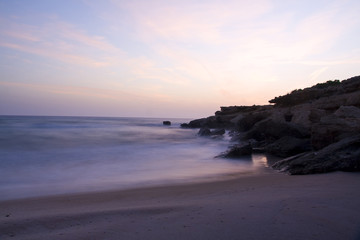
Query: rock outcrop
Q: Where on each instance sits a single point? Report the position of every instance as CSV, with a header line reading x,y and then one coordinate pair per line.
x,y
207,132
321,123
237,151
343,155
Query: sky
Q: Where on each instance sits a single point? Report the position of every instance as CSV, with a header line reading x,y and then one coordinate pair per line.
x,y
169,58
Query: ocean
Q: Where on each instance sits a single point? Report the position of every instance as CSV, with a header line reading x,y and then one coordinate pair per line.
x,y
57,155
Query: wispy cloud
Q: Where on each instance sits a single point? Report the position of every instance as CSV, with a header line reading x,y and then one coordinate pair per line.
x,y
58,40
58,55
66,90
241,44
314,75
115,95
189,21
241,33
68,31
218,52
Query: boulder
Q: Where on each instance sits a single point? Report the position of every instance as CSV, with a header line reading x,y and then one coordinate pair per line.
x,y
249,120
219,122
197,123
237,151
334,127
204,132
271,130
184,125
218,132
288,146
348,112
332,103
316,115
210,122
341,156
168,123
207,132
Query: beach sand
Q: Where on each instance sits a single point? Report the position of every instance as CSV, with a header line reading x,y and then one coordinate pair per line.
x,y
264,206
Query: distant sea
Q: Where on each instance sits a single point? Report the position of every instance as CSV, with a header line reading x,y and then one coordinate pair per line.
x,y
57,155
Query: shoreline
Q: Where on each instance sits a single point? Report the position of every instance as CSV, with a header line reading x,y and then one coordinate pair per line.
x,y
258,164
264,206
216,177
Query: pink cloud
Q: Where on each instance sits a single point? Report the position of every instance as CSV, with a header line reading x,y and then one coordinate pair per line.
x,y
95,93
68,31
188,20
60,41
64,57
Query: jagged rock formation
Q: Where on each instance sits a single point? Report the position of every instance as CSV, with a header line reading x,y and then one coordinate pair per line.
x,y
309,122
343,155
207,132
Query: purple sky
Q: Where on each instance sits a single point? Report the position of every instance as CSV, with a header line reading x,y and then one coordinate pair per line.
x,y
168,58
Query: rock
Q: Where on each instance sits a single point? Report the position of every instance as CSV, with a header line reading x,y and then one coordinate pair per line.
x,y
348,112
207,132
271,130
332,103
211,122
237,151
250,119
204,132
184,125
312,119
219,122
334,127
168,123
341,156
351,84
218,132
323,135
197,123
288,116
240,109
316,115
288,146
299,114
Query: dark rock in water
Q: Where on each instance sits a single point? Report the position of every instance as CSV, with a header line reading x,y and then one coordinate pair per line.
x,y
210,122
218,132
204,132
184,125
207,132
341,156
167,123
238,151
288,146
219,122
197,123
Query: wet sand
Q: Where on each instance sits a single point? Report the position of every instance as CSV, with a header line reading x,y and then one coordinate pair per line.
x,y
263,206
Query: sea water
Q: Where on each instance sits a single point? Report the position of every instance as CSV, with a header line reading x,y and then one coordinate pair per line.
x,y
57,155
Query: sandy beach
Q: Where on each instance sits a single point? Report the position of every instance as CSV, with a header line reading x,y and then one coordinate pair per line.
x,y
264,206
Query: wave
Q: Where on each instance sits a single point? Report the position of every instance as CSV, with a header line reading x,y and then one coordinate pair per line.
x,y
51,155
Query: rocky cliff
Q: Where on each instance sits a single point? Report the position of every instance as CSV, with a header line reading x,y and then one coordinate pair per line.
x,y
315,130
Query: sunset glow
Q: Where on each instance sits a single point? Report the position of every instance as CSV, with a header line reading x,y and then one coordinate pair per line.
x,y
168,58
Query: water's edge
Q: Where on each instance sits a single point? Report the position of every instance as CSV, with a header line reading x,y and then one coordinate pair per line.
x,y
59,155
